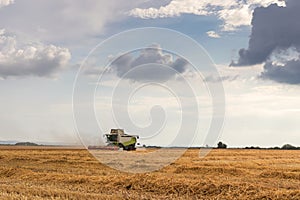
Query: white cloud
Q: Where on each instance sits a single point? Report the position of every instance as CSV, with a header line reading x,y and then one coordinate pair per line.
x,y
240,15
5,2
212,34
17,59
64,20
234,13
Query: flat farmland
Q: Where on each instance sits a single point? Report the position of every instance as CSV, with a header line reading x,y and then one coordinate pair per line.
x,y
58,173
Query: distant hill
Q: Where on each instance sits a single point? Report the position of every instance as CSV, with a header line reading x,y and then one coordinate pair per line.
x,y
26,144
8,142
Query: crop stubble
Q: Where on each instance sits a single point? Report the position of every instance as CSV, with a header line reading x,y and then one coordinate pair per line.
x,y
59,173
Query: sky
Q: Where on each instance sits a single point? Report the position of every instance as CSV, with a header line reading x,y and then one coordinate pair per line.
x,y
71,70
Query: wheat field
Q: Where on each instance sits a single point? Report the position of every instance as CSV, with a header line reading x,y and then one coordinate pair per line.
x,y
42,173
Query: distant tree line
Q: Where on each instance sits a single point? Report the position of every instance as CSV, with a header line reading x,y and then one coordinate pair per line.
x,y
284,147
222,145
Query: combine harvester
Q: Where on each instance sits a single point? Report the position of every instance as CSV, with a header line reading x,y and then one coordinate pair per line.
x,y
117,139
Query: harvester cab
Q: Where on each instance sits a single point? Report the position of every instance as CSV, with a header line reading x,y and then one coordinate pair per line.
x,y
118,138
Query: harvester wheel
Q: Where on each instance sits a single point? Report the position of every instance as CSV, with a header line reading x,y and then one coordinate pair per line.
x,y
132,147
121,146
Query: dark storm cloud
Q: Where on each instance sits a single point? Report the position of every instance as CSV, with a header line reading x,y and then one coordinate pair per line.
x,y
274,28
289,73
150,65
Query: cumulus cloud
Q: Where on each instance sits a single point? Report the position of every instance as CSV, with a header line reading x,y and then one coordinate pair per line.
x,y
212,34
275,32
149,64
5,2
65,20
214,79
234,13
18,59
